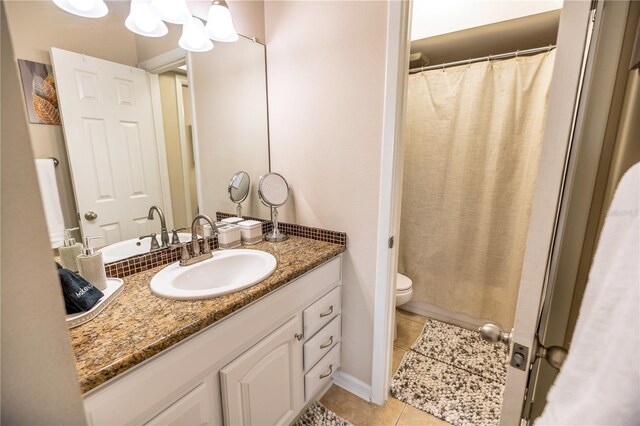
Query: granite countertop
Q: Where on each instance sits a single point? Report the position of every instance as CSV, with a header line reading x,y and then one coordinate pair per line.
x,y
138,324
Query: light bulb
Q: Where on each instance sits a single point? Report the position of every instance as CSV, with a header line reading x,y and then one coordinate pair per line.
x,y
83,5
143,21
219,23
173,11
84,8
193,37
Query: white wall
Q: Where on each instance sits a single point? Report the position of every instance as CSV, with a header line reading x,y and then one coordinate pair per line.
x,y
432,18
325,67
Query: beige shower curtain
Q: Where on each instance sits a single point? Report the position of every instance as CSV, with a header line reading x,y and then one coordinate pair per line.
x,y
472,147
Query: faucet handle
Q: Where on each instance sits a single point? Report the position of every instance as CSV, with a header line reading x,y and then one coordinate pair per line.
x,y
175,239
154,241
184,253
207,246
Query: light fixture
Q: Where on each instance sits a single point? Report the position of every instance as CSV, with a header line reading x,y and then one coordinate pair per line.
x,y
143,21
193,37
173,11
84,8
219,24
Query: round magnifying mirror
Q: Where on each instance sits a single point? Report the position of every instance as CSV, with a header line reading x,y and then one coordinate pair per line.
x,y
273,191
239,189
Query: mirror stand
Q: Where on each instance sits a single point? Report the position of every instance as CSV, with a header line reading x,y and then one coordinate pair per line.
x,y
239,190
273,191
275,236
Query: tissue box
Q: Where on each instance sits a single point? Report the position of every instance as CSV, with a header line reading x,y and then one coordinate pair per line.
x,y
233,220
229,237
250,231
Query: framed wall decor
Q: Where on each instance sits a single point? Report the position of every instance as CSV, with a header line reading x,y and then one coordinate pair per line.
x,y
40,94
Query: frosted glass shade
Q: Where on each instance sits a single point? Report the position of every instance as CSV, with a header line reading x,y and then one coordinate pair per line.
x,y
84,8
193,37
219,24
143,21
173,11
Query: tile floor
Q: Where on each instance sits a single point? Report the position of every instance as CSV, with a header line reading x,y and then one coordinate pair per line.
x,y
394,412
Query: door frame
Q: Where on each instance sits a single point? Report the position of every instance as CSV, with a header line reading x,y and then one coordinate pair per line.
x,y
396,83
562,116
155,66
562,103
595,106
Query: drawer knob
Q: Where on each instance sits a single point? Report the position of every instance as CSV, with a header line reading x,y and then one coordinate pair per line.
x,y
322,376
298,336
329,312
326,345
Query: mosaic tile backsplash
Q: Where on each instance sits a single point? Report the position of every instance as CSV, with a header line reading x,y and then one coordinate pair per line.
x,y
133,265
318,234
136,264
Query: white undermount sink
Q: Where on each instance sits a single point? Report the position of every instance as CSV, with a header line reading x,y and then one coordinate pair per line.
x,y
226,272
133,247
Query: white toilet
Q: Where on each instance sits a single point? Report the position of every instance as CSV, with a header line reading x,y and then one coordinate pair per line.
x,y
404,289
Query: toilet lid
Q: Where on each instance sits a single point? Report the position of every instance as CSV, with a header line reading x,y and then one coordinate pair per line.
x,y
403,283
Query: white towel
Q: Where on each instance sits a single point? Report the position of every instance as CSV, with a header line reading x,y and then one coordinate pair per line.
x,y
599,383
51,200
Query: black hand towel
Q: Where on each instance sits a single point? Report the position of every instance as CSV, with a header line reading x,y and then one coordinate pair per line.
x,y
79,294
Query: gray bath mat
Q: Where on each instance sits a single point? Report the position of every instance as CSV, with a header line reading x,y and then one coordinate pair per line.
x,y
453,374
319,415
462,348
450,393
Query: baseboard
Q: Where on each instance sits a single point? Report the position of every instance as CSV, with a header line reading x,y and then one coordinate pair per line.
x,y
353,385
444,315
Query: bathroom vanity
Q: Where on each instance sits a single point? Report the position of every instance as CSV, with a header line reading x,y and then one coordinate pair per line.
x,y
252,357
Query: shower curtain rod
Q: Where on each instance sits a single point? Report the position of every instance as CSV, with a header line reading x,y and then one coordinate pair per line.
x,y
484,58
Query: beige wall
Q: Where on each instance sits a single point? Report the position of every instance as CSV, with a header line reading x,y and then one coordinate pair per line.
x,y
39,384
188,122
35,27
230,97
325,67
173,145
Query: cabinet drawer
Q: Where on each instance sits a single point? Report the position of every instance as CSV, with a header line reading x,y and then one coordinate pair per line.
x,y
321,312
319,375
316,347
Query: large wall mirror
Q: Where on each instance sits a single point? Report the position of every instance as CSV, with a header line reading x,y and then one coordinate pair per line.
x,y
143,123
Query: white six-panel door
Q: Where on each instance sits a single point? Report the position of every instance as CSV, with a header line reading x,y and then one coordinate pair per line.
x,y
111,143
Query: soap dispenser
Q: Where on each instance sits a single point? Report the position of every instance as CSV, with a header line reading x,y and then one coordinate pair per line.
x,y
70,251
91,265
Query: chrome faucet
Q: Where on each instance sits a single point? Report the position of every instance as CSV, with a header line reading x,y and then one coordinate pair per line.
x,y
187,258
164,234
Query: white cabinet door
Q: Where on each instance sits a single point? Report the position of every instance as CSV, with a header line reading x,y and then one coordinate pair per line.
x,y
265,385
111,143
195,408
